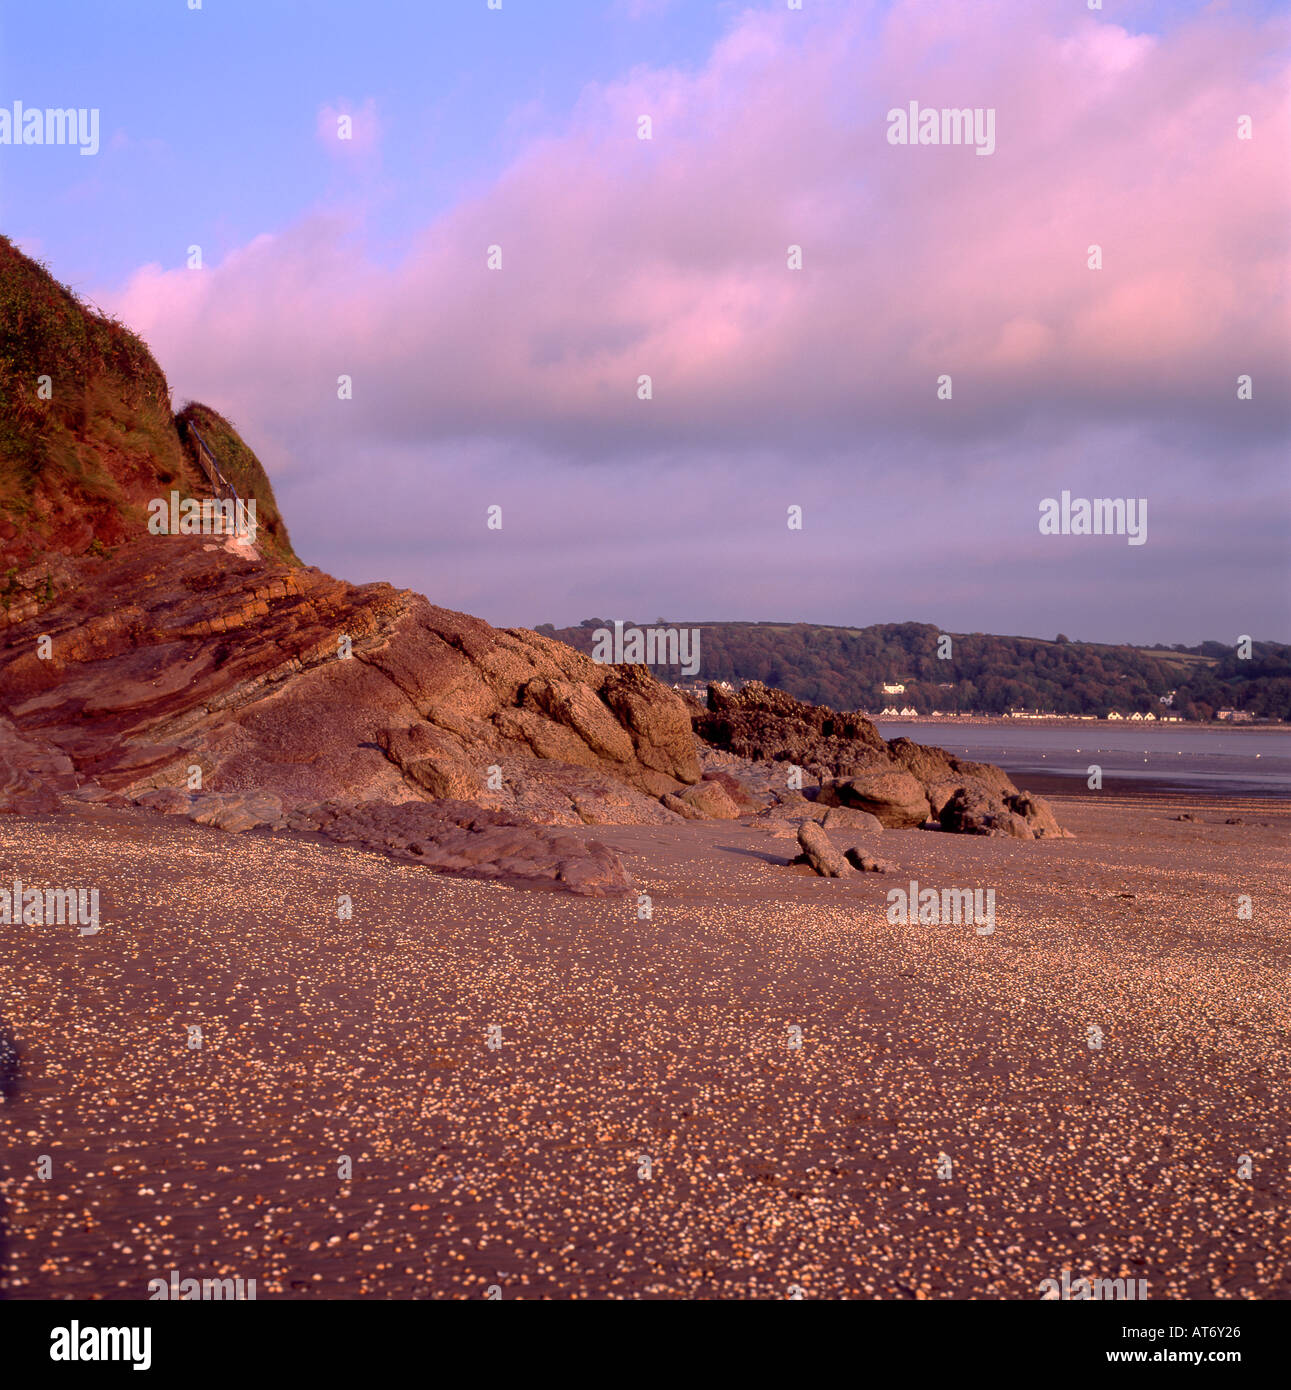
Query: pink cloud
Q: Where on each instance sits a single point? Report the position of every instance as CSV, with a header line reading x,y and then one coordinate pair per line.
x,y
668,257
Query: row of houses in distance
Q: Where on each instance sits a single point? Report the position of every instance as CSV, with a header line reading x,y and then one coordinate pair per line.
x,y
1148,718
699,688
891,712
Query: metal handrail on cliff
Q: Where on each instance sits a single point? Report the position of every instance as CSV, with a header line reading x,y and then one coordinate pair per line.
x,y
219,482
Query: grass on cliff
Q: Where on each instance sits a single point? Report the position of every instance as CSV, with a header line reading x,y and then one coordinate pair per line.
x,y
84,410
87,436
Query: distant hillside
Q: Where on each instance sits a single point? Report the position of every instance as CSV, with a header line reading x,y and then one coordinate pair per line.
x,y
87,437
846,668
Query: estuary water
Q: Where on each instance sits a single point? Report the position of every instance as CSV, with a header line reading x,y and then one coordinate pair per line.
x,y
1169,757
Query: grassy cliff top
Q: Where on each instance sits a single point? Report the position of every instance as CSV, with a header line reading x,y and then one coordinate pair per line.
x,y
87,436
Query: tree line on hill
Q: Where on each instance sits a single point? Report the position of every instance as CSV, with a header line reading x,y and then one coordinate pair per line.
x,y
846,668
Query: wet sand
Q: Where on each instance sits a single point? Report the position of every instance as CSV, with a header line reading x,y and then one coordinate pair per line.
x,y
770,1167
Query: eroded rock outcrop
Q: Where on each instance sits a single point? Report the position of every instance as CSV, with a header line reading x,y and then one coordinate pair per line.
x,y
979,810
458,838
901,784
445,835
759,723
282,681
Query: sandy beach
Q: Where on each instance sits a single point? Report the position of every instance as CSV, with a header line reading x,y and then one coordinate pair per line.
x,y
945,1129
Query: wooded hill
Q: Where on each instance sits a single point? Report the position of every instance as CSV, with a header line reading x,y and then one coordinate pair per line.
x,y
846,668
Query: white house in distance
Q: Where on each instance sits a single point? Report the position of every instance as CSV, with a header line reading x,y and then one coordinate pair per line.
x,y
898,689
1115,715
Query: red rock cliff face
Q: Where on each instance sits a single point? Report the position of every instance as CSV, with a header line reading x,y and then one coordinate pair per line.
x,y
181,652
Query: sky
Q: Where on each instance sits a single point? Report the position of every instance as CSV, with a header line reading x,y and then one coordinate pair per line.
x,y
771,387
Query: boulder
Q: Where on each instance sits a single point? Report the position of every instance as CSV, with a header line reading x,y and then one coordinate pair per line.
x,y
972,811
791,806
818,851
849,818
657,719
902,783
1038,815
867,863
748,803
1018,828
940,792
986,773
977,810
709,800
922,761
895,799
